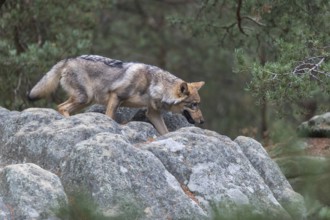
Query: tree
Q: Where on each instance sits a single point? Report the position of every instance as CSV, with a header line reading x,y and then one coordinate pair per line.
x,y
282,45
34,34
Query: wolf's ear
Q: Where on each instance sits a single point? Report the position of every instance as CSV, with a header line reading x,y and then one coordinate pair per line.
x,y
198,85
183,89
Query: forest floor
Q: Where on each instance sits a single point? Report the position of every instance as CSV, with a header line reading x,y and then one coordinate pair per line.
x,y
318,146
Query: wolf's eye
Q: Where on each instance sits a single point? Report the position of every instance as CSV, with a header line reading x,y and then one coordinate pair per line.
x,y
194,105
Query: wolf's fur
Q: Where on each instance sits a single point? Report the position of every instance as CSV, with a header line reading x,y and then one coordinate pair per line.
x,y
95,79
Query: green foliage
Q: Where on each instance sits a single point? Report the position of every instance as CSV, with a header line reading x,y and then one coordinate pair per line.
x,y
307,174
281,45
324,213
34,35
82,207
288,80
243,212
298,69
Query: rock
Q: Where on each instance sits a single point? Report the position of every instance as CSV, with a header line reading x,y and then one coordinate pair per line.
x,y
5,212
96,108
291,201
176,121
46,138
173,121
29,192
215,169
127,170
318,126
139,132
124,115
119,175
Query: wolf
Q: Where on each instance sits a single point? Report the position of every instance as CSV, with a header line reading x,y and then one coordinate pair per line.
x,y
91,79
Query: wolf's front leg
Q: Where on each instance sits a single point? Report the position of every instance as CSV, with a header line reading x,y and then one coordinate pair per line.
x,y
113,103
157,120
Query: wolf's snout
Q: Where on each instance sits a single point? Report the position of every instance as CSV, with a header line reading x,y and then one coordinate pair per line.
x,y
193,117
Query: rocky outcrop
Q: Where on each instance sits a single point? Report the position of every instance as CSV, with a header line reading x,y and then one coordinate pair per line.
x,y
273,177
318,126
305,162
29,192
125,115
128,169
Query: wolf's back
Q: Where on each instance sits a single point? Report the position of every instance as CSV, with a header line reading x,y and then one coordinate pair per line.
x,y
48,83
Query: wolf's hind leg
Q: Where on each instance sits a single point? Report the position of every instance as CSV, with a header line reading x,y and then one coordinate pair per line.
x,y
157,120
113,104
72,105
63,109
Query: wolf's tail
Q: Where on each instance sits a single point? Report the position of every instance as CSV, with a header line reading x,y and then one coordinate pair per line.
x,y
48,83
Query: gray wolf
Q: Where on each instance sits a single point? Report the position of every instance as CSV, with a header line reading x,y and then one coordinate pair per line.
x,y
91,79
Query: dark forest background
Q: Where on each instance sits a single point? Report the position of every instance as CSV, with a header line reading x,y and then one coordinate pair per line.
x,y
265,63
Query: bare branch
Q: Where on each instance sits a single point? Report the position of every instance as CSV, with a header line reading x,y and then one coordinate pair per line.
x,y
311,66
253,20
199,12
176,2
317,65
238,17
229,26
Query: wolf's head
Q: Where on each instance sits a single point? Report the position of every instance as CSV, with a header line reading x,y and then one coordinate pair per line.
x,y
189,106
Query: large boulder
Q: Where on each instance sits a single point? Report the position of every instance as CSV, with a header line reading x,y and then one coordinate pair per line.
x,y
123,115
318,126
130,170
217,171
120,175
29,192
271,173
